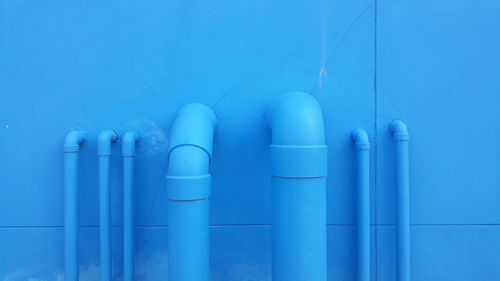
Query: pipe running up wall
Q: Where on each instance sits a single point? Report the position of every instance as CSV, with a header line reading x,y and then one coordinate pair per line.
x,y
71,148
188,190
128,152
401,138
104,141
362,147
299,169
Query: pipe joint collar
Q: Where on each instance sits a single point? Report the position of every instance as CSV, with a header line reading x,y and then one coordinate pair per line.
x,y
298,147
188,188
73,141
399,131
299,161
361,140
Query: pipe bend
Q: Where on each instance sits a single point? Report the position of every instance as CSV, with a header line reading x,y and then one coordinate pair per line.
x,y
298,140
360,139
194,126
104,141
73,140
130,138
190,152
399,130
296,119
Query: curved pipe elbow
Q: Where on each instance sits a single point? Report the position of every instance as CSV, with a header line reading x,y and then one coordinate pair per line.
x,y
194,126
399,131
190,152
360,139
296,119
73,140
129,140
104,141
298,147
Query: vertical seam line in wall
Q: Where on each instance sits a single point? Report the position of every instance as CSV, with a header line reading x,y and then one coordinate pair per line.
x,y
160,181
375,136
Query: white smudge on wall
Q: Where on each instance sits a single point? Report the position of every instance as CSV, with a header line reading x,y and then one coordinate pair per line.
x,y
153,139
151,267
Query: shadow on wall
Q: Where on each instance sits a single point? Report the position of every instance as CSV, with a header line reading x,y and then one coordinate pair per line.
x,y
147,269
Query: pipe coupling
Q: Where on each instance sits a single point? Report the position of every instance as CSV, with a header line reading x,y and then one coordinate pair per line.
x,y
187,188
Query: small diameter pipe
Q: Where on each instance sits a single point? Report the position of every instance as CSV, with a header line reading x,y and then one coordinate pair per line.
x,y
188,190
104,141
299,168
71,148
362,147
128,152
401,137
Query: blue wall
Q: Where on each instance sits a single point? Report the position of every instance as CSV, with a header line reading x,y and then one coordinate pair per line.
x,y
130,65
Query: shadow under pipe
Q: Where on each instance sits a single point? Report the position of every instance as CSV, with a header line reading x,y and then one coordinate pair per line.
x,y
299,168
188,190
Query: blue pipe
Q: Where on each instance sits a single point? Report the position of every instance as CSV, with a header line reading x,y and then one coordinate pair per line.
x,y
362,146
401,137
104,141
299,169
128,152
188,182
71,148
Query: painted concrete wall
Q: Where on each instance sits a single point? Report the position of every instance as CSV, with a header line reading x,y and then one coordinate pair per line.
x,y
128,65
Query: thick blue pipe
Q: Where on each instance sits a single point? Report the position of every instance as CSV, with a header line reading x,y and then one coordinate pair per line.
x,y
299,169
104,141
128,152
401,137
362,147
71,148
188,190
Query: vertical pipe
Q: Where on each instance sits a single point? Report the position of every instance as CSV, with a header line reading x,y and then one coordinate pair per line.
x,y
71,148
188,191
401,138
362,147
188,236
299,168
128,152
104,141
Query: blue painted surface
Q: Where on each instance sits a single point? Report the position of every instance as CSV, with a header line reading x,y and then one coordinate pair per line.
x,y
437,66
298,168
104,141
189,184
361,145
132,65
129,142
74,139
401,138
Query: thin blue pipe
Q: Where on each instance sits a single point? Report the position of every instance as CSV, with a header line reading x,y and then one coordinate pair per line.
x,y
299,169
104,141
188,190
128,152
71,148
401,138
362,147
